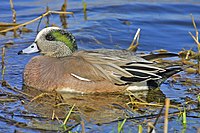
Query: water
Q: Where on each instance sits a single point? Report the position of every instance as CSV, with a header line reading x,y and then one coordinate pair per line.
x,y
109,24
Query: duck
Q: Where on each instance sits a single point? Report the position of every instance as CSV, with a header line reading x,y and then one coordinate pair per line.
x,y
61,67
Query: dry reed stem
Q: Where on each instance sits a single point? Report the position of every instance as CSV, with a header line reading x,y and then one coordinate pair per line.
x,y
53,115
47,23
13,16
97,41
33,20
39,96
61,104
13,11
2,24
20,92
195,27
7,100
198,130
196,39
57,119
8,86
151,127
3,57
83,126
135,42
153,104
167,104
188,54
63,17
136,97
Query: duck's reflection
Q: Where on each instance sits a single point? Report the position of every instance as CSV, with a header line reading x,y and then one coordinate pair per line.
x,y
97,109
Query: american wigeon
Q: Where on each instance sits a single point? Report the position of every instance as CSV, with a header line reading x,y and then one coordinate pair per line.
x,y
63,68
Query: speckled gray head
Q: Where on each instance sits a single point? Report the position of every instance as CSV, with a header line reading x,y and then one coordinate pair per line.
x,y
54,42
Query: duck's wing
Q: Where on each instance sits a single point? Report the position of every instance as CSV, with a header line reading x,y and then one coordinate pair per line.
x,y
122,70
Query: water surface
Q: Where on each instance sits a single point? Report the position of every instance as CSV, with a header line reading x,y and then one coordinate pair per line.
x,y
109,24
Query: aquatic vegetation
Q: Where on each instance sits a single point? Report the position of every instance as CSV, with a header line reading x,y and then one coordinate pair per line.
x,y
67,118
41,111
120,126
140,129
84,9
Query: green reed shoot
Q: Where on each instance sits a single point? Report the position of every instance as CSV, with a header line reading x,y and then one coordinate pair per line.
x,y
67,117
140,128
184,117
120,125
198,99
84,6
84,9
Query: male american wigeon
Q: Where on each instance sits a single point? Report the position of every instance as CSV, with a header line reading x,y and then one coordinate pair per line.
x,y
63,68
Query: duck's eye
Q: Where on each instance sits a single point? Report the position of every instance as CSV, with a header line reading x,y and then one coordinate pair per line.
x,y
49,37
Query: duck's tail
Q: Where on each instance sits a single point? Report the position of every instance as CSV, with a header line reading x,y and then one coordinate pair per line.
x,y
151,57
165,75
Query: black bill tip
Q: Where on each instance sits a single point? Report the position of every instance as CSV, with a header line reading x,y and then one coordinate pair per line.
x,y
20,52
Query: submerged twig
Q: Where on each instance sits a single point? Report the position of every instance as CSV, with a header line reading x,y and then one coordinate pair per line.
x,y
39,96
159,114
151,116
8,86
3,67
12,122
152,104
31,21
83,126
3,57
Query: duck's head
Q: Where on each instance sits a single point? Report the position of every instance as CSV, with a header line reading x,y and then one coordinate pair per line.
x,y
53,42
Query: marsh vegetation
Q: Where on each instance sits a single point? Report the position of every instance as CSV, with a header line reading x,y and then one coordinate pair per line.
x,y
174,107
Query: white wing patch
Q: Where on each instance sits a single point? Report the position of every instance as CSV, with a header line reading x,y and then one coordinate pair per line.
x,y
137,88
80,78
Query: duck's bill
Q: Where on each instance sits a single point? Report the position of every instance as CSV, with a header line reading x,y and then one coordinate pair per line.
x,y
31,49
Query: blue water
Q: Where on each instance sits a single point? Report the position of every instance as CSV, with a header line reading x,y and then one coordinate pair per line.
x,y
109,24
